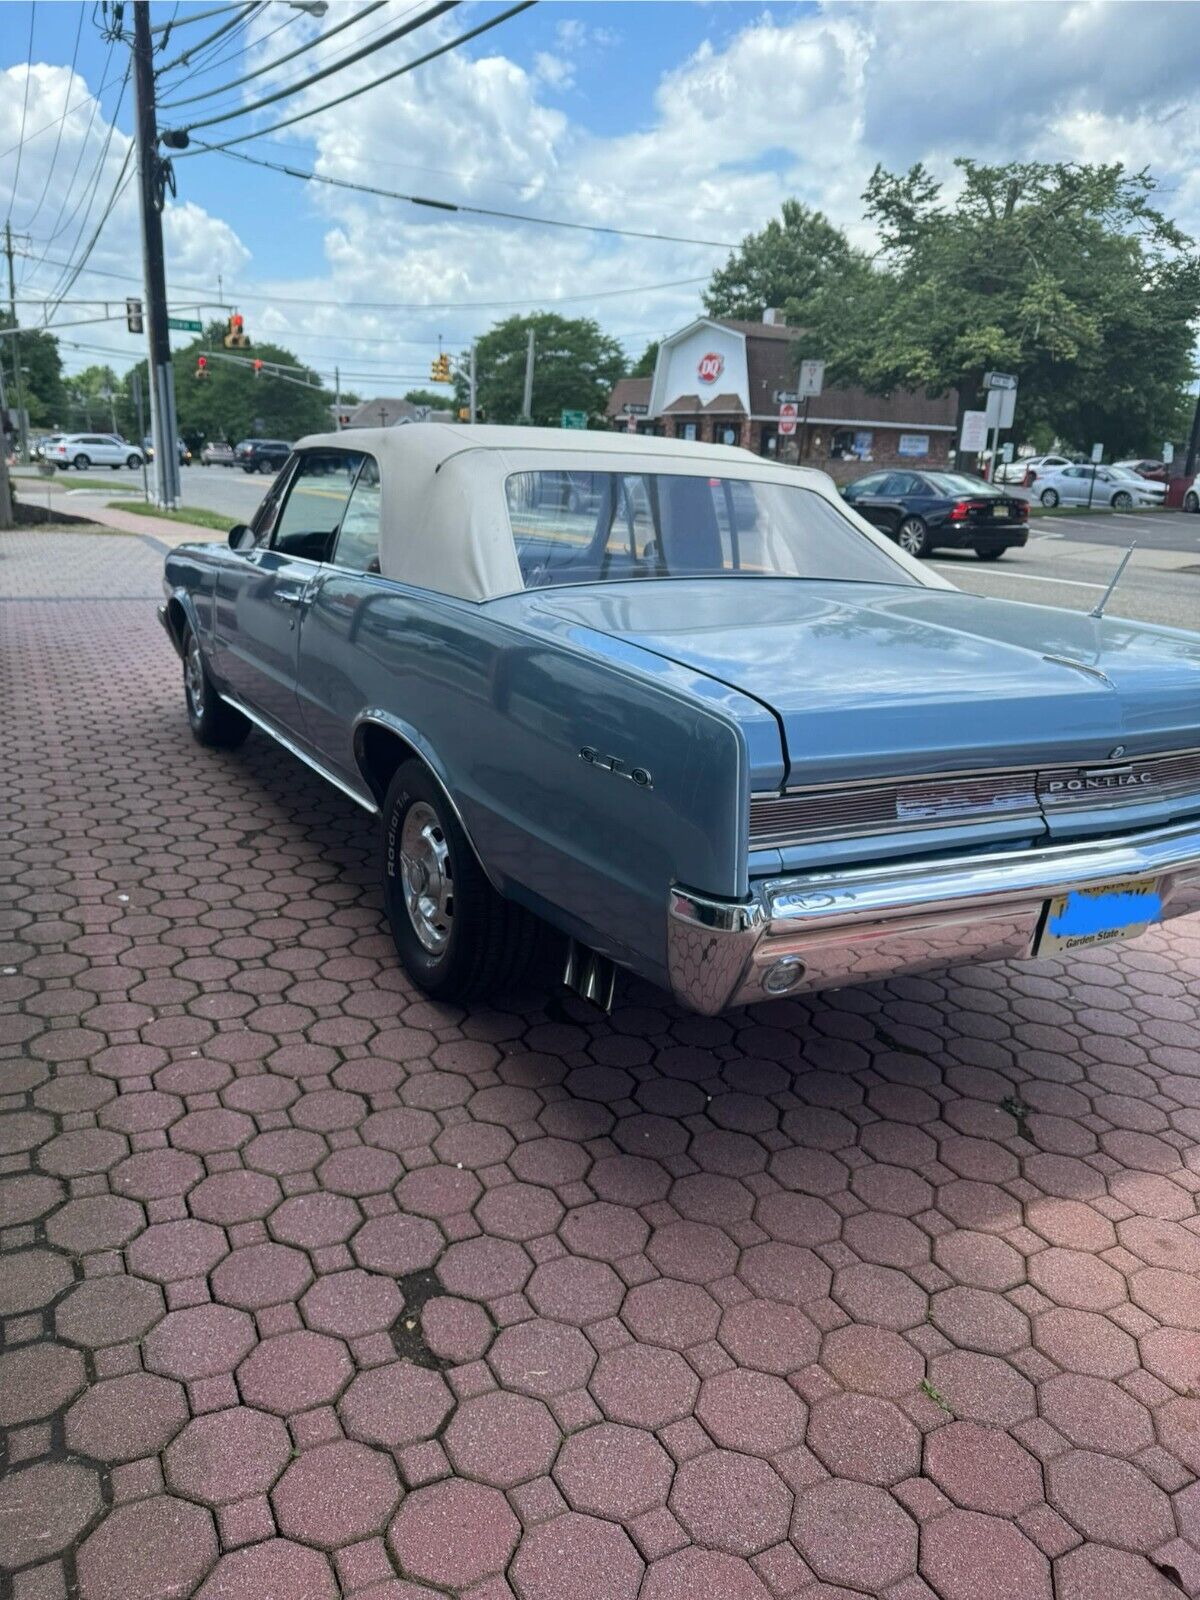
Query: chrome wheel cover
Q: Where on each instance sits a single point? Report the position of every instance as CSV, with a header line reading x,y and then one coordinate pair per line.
x,y
427,877
911,537
193,678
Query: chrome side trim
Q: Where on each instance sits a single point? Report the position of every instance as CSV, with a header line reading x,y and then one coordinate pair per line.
x,y
864,923
293,749
964,772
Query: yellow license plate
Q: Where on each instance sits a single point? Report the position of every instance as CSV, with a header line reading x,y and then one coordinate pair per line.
x,y
1087,917
1000,511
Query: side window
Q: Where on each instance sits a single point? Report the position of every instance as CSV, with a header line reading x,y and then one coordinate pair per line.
x,y
316,500
905,483
358,541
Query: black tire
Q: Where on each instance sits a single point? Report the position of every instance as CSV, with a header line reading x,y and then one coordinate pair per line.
x,y
247,468
1191,501
81,463
488,944
133,462
1049,498
1122,501
913,536
212,721
988,555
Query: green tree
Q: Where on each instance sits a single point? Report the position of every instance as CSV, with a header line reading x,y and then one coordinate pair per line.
x,y
575,367
92,400
644,367
431,398
230,402
41,375
1067,275
793,257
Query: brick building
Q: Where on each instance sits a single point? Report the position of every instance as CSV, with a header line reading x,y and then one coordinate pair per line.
x,y
720,379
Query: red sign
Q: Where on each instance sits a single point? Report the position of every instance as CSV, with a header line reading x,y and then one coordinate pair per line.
x,y
787,418
711,366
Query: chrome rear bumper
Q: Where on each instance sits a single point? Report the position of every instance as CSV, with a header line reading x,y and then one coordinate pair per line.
x,y
830,929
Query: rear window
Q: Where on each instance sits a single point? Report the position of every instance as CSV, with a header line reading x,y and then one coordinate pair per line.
x,y
959,483
610,527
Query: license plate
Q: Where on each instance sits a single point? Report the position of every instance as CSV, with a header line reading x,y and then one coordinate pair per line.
x,y
1001,512
1087,917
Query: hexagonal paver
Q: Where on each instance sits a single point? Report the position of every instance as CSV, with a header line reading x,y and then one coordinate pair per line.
x,y
336,1494
542,1358
501,1439
43,1509
278,1569
864,1437
644,1386
36,1379
227,1455
168,1251
614,1471
153,1549
983,1470
731,1502
454,1534
576,1557
120,1419
967,1556
352,1303
294,1371
752,1412
854,1534
395,1405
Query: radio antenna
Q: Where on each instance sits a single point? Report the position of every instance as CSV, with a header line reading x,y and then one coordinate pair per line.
x,y
1116,578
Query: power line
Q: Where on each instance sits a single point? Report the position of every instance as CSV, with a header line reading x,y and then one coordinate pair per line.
x,y
409,305
321,38
24,110
451,205
123,178
399,32
218,33
54,121
196,16
352,94
92,188
61,123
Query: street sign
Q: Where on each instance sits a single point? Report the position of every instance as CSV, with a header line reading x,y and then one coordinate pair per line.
x,y
1097,453
974,432
574,419
1006,452
633,408
999,380
184,325
785,397
1001,405
787,418
1168,454
812,379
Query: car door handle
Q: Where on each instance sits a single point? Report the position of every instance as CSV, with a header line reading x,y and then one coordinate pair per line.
x,y
291,597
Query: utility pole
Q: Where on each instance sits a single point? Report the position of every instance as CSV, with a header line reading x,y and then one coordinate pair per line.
x,y
527,402
6,507
150,191
471,402
22,429
337,399
1189,466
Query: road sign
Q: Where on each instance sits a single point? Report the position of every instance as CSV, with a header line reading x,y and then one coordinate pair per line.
x,y
812,379
1006,452
787,418
184,325
633,408
785,397
574,419
1168,454
974,432
999,380
1097,453
1001,405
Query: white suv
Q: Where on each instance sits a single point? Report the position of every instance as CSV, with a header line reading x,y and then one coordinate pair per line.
x,y
84,450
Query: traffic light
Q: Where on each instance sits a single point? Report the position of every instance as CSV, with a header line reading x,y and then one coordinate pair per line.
x,y
201,367
439,368
235,337
257,367
133,314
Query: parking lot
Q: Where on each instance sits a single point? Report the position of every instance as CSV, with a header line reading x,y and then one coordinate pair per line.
x,y
313,1288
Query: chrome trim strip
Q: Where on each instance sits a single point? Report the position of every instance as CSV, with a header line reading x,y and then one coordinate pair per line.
x,y
968,772
293,749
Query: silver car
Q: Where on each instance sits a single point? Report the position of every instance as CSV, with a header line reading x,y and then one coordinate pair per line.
x,y
84,450
1097,486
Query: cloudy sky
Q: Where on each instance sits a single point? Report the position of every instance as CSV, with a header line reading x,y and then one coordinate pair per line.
x,y
693,120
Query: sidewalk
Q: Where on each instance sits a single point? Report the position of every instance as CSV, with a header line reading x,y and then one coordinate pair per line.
x,y
161,528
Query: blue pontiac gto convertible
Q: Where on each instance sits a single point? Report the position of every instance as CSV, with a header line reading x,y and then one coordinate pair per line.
x,y
687,708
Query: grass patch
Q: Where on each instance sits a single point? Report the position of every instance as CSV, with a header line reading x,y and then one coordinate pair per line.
x,y
64,480
192,516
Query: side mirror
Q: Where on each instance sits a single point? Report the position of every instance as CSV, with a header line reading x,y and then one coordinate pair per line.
x,y
241,537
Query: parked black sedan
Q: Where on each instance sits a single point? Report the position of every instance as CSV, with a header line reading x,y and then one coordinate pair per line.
x,y
927,511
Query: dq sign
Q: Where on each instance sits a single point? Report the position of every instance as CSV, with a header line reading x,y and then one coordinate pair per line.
x,y
711,366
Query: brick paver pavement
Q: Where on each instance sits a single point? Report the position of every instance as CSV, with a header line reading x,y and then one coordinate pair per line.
x,y
313,1288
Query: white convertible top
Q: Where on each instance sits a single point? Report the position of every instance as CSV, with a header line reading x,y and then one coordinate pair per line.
x,y
444,517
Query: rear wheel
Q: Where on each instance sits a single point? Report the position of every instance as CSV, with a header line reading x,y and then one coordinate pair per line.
x,y
212,721
1122,500
1191,501
1049,498
913,536
455,935
81,463
989,555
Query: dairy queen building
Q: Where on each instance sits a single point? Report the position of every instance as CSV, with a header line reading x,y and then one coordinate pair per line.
x,y
724,381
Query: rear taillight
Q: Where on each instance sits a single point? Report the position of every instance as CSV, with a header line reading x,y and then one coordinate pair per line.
x,y
960,512
1023,510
